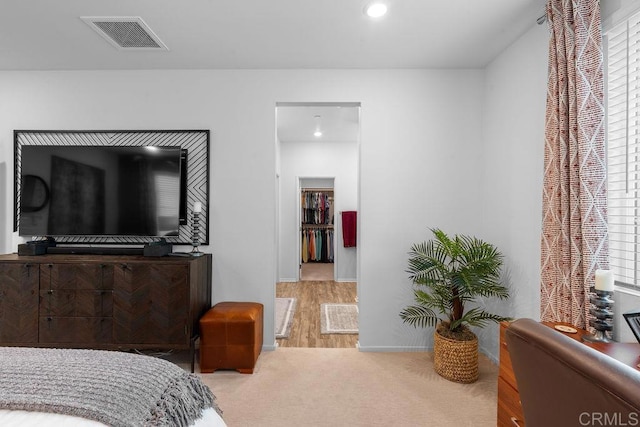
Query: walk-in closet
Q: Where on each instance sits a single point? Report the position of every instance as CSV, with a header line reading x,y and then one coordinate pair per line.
x,y
316,234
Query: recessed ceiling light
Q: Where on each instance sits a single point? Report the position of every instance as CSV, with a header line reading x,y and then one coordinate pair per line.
x,y
318,132
375,10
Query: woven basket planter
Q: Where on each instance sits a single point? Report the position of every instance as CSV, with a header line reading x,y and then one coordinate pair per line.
x,y
455,360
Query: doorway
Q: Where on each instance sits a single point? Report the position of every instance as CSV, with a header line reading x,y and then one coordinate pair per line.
x,y
317,164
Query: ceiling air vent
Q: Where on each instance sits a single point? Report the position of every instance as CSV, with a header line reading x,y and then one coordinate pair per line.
x,y
125,32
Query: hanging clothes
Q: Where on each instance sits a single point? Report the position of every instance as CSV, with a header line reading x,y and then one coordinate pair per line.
x,y
311,248
317,210
316,207
317,245
305,247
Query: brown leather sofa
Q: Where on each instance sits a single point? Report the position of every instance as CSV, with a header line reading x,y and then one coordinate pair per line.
x,y
563,382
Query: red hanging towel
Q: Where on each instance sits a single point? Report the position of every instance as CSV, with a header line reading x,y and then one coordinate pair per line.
x,y
349,220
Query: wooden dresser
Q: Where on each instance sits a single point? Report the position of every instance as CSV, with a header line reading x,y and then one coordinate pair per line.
x,y
112,302
509,407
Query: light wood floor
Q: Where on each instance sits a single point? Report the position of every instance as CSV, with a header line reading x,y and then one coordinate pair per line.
x,y
305,330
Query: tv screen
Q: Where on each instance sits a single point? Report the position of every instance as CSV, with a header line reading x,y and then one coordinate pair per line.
x,y
101,191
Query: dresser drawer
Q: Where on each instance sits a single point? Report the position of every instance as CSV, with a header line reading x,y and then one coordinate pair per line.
x,y
509,406
76,303
68,330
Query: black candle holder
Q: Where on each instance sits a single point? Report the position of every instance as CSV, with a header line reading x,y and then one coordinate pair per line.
x,y
603,315
195,235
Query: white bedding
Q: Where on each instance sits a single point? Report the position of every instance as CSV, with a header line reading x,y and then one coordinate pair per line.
x,y
53,387
210,418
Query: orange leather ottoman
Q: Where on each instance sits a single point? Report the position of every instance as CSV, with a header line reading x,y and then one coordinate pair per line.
x,y
231,336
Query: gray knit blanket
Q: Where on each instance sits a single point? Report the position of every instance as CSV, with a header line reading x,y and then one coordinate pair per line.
x,y
115,388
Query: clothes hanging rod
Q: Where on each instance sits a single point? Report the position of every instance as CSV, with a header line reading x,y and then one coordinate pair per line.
x,y
318,189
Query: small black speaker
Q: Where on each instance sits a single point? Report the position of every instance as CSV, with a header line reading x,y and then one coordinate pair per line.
x,y
36,247
159,248
25,249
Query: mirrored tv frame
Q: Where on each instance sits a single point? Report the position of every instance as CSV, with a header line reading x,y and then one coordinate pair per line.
x,y
195,188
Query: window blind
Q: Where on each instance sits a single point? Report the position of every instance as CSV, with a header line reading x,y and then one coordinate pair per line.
x,y
623,150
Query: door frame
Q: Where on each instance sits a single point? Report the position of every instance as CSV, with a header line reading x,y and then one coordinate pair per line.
x,y
299,188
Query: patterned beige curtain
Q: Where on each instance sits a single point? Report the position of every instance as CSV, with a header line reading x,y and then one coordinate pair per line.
x,y
574,230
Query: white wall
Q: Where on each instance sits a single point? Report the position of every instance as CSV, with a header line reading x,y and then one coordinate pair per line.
x,y
420,149
615,10
316,159
421,138
514,114
6,204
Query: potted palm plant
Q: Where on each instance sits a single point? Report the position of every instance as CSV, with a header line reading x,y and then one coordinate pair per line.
x,y
449,275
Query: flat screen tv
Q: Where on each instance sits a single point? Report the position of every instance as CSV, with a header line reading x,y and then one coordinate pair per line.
x,y
102,190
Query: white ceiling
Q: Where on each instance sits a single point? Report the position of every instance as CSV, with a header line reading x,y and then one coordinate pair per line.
x,y
275,34
215,34
338,123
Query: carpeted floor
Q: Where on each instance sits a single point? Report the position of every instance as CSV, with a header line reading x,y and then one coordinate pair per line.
x,y
316,271
346,387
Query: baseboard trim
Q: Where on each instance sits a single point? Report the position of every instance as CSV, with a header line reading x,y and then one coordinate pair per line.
x,y
339,280
405,349
389,349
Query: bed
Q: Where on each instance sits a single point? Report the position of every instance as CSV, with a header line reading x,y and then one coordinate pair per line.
x,y
84,388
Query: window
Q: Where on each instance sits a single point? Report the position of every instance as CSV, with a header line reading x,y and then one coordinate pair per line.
x,y
623,138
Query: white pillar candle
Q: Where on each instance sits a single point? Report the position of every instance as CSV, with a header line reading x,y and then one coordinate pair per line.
x,y
197,207
604,280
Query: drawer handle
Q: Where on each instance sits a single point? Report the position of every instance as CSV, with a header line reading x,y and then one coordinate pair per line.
x,y
515,422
